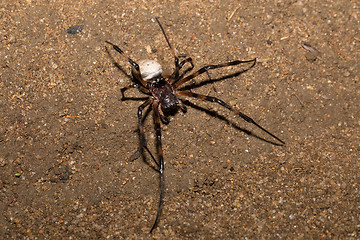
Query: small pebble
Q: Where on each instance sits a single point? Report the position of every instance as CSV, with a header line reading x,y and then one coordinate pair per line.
x,y
2,162
75,29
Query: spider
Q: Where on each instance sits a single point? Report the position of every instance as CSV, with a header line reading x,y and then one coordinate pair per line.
x,y
165,99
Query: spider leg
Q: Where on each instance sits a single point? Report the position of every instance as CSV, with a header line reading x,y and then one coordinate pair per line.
x,y
124,89
141,88
168,42
222,103
161,159
182,106
175,75
133,63
164,119
178,65
143,144
187,60
208,67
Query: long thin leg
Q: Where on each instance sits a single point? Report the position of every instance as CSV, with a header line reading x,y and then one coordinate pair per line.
x,y
208,67
222,103
133,63
178,65
124,89
141,88
143,144
168,42
175,75
161,159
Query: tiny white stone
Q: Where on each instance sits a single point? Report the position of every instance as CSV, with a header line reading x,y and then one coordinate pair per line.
x,y
149,69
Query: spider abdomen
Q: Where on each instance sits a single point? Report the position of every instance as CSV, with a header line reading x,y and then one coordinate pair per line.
x,y
149,69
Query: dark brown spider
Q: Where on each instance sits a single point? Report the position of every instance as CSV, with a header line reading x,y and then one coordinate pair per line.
x,y
165,99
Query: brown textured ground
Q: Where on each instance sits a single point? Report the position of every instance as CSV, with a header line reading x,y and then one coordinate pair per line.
x,y
65,136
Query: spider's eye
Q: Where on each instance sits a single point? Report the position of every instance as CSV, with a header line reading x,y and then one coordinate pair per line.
x,y
150,69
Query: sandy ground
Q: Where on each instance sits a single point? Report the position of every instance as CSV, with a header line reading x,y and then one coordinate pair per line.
x,y
66,137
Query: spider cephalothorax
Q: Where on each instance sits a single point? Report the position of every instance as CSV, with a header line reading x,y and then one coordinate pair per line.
x,y
163,92
165,98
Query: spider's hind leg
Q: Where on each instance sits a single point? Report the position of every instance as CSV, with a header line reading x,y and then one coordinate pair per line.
x,y
222,103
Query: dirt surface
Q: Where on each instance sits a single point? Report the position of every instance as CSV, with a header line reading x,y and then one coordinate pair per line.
x,y
66,137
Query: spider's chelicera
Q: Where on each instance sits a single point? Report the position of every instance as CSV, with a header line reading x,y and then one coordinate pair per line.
x,y
165,94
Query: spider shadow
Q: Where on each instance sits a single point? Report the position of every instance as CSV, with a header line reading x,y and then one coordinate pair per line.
x,y
118,66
